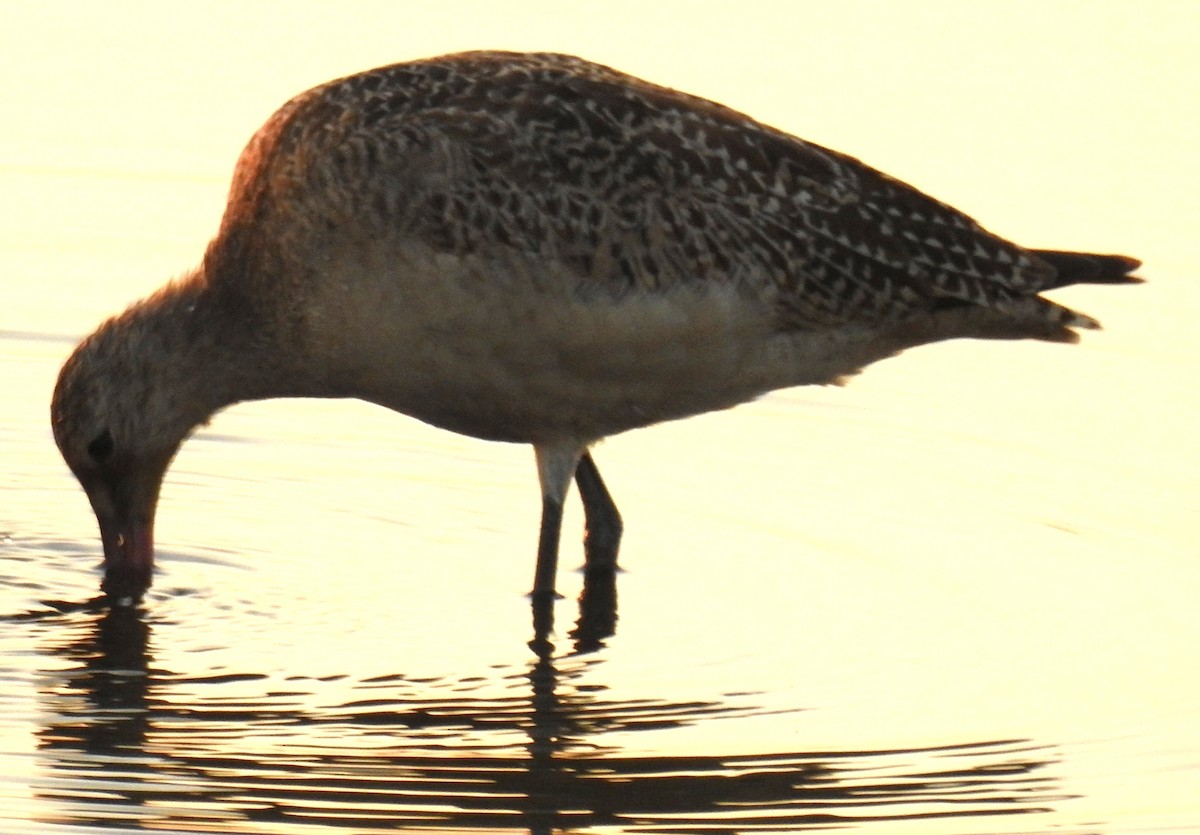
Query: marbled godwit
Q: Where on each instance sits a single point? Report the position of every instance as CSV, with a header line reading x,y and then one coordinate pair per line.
x,y
534,249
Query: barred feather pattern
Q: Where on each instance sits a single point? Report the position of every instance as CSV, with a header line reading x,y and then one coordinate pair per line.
x,y
629,185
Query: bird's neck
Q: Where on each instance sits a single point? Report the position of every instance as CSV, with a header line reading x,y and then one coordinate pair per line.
x,y
213,350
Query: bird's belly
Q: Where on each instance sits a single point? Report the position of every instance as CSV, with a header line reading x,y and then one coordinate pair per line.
x,y
524,357
511,353
574,369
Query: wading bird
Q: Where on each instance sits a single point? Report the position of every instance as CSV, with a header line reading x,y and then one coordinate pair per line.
x,y
536,249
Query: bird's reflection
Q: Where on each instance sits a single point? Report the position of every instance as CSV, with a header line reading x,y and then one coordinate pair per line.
x,y
129,744
597,619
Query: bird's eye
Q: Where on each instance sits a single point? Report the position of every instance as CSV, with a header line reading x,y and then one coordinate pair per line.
x,y
101,446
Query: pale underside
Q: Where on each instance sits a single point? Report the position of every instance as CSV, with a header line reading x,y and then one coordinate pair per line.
x,y
524,356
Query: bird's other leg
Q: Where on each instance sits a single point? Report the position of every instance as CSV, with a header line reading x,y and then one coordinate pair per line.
x,y
603,521
598,602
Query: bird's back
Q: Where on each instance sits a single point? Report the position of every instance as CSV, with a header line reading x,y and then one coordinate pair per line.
x,y
630,186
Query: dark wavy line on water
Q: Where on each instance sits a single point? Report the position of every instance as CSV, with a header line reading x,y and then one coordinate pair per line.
x,y
517,750
447,790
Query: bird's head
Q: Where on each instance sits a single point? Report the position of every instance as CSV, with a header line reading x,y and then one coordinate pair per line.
x,y
118,420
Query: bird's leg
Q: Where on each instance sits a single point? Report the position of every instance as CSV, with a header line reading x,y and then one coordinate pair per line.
x,y
556,463
598,602
547,557
602,519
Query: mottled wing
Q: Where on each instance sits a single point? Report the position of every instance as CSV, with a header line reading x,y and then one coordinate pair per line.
x,y
635,186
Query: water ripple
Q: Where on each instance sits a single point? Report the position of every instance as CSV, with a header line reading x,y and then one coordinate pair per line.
x,y
520,749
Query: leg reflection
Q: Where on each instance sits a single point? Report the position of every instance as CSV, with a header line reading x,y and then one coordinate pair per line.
x,y
597,614
597,609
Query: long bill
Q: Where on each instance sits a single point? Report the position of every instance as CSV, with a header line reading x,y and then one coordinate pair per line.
x,y
125,510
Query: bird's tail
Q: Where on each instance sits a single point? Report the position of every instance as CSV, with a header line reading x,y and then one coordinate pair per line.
x,y
1033,316
1087,268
